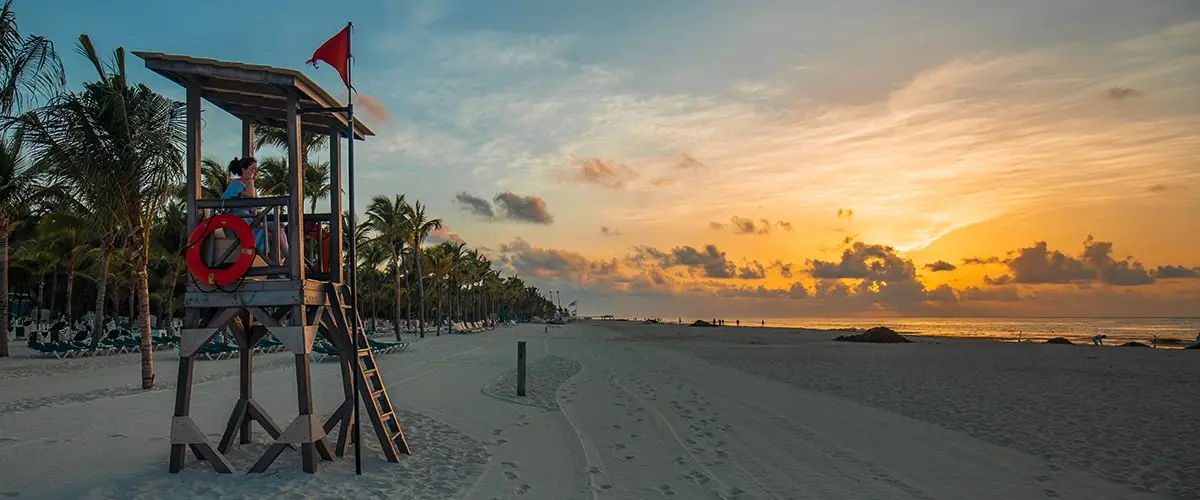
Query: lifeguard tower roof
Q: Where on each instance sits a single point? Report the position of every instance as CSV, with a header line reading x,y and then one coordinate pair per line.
x,y
255,93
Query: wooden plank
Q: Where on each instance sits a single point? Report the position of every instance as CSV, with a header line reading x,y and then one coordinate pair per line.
x,y
194,144
254,299
295,191
308,453
277,118
159,65
183,401
335,207
236,419
263,202
247,139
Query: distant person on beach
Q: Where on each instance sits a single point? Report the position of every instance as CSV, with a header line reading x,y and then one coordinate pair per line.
x,y
737,322
764,322
1099,340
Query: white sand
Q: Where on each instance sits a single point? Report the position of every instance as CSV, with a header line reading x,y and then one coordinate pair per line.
x,y
634,420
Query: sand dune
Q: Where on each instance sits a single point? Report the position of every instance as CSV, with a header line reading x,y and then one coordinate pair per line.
x,y
605,418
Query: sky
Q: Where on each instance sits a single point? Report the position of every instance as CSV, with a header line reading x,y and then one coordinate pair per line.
x,y
758,159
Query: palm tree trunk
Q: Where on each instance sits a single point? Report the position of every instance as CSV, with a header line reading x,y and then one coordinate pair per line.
x,y
143,289
170,312
70,290
441,297
41,296
141,280
396,316
408,288
4,291
102,287
54,290
420,289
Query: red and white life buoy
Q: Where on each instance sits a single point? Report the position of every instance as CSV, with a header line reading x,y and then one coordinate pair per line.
x,y
245,258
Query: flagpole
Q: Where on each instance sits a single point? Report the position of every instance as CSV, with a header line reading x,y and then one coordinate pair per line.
x,y
353,248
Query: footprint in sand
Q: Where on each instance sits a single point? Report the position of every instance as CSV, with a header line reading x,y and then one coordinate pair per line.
x,y
8,440
630,457
117,436
10,494
617,426
618,446
524,488
635,436
680,461
501,441
666,489
496,432
510,476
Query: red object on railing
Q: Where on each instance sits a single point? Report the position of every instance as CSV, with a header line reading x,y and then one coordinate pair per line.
x,y
245,259
318,234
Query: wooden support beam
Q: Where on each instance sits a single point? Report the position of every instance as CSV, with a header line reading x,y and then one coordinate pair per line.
x,y
335,207
223,73
247,138
295,192
194,154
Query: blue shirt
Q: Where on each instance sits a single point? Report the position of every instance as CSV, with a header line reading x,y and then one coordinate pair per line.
x,y
234,191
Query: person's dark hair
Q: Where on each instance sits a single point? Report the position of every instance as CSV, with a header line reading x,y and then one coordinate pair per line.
x,y
238,164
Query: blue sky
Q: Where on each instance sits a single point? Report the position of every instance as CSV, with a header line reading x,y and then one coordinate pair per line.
x,y
792,110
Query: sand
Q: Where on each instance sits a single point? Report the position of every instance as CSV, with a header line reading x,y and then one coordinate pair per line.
x,y
607,417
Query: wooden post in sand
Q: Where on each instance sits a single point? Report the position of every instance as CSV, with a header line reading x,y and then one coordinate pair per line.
x,y
520,367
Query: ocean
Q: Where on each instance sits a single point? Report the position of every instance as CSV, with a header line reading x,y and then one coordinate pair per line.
x,y
1078,330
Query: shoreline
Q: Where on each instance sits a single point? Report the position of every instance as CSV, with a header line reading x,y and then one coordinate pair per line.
x,y
1114,340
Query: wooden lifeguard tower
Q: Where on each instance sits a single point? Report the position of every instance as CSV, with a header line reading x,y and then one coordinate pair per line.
x,y
283,295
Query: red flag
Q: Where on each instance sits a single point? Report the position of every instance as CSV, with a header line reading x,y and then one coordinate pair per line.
x,y
336,52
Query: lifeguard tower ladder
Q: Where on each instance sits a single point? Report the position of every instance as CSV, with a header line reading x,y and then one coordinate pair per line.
x,y
289,298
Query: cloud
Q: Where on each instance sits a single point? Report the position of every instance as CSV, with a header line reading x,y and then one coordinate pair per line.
x,y
786,270
710,260
375,110
979,261
687,162
940,265
845,213
475,205
1121,93
608,231
784,225
752,270
1157,188
443,235
1039,265
866,262
523,208
1176,272
597,171
995,294
742,225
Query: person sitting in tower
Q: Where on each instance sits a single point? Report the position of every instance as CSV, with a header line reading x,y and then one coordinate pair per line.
x,y
246,171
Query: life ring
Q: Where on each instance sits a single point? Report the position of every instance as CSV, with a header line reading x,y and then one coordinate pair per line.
x,y
245,258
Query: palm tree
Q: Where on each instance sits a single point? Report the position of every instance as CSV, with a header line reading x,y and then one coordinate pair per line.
x,y
419,227
214,179
277,137
316,182
386,218
272,176
121,146
169,244
438,260
73,243
29,69
22,187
